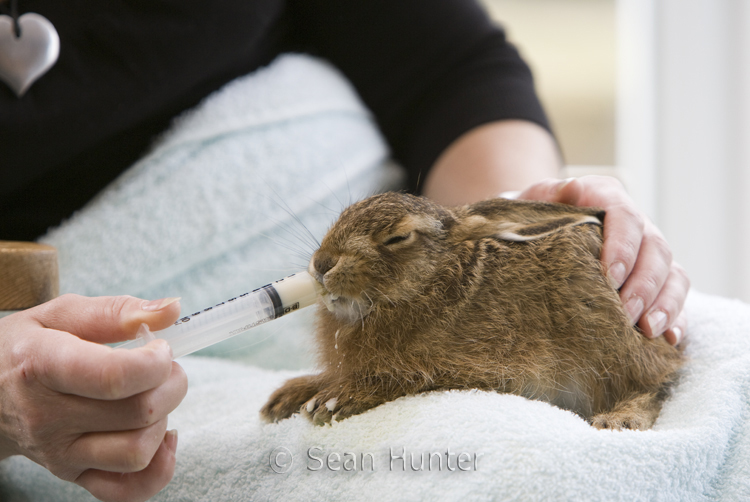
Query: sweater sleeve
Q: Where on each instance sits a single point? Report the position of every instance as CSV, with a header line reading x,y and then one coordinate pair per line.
x,y
430,70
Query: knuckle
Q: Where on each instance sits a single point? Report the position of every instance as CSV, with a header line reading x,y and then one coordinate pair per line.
x,y
64,300
118,306
180,374
660,244
136,459
628,252
621,250
682,274
145,409
605,190
22,355
648,286
138,453
606,181
539,191
631,213
112,381
53,310
614,182
671,306
68,297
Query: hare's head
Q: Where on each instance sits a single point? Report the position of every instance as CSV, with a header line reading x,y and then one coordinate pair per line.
x,y
381,250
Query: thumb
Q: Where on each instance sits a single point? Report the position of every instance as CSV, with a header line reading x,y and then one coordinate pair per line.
x,y
567,191
105,319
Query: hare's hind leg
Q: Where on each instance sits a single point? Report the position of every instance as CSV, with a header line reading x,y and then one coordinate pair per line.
x,y
637,412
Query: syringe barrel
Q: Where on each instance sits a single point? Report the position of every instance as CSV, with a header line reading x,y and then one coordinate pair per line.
x,y
236,315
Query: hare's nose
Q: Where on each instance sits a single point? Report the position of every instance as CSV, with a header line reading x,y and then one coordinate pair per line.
x,y
323,263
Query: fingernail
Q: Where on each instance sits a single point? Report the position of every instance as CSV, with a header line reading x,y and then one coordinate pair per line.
x,y
677,335
156,305
657,321
171,440
160,341
634,307
171,352
616,274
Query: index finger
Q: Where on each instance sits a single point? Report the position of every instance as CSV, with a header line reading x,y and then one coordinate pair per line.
x,y
69,365
623,234
624,225
104,319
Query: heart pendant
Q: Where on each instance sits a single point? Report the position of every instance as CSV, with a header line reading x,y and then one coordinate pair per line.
x,y
26,58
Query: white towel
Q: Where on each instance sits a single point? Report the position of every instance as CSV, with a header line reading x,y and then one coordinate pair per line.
x,y
699,448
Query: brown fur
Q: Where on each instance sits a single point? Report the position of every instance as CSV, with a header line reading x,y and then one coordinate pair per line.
x,y
500,295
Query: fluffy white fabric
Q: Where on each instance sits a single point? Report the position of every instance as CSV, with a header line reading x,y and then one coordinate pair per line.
x,y
699,448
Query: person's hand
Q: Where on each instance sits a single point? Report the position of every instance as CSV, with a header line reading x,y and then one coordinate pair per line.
x,y
636,256
91,414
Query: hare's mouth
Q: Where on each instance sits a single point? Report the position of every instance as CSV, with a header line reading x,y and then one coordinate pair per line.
x,y
351,310
346,307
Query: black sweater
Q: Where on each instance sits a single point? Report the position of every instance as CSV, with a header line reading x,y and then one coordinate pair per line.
x,y
429,70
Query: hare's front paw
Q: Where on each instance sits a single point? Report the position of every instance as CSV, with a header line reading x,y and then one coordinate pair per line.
x,y
321,408
286,400
326,407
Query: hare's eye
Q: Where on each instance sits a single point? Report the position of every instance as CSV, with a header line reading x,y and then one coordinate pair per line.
x,y
396,239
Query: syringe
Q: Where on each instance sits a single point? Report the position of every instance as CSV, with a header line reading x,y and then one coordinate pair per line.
x,y
234,316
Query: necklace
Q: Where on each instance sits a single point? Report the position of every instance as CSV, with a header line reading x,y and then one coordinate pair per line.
x,y
29,47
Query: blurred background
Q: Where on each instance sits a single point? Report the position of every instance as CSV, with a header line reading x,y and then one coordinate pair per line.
x,y
570,45
656,93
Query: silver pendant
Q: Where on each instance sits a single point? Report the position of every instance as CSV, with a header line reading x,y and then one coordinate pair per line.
x,y
26,58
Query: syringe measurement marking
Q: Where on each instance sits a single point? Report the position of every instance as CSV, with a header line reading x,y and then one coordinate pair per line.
x,y
226,303
248,326
225,309
222,304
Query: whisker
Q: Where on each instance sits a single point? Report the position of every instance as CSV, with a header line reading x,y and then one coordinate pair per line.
x,y
300,253
288,210
334,194
326,207
348,187
298,238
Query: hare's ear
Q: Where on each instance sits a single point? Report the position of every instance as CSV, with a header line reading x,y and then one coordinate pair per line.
x,y
520,232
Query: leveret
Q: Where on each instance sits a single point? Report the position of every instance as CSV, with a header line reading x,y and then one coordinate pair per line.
x,y
500,295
